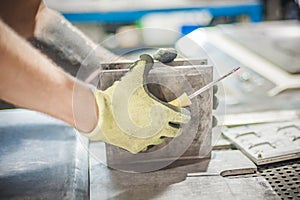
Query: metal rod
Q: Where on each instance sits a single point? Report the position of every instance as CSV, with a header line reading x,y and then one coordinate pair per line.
x,y
212,83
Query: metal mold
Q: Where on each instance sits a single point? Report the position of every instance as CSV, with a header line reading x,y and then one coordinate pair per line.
x,y
170,82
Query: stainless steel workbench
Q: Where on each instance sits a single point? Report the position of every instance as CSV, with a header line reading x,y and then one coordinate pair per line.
x,y
40,158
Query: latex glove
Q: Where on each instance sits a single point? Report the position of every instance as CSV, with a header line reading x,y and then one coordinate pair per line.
x,y
132,118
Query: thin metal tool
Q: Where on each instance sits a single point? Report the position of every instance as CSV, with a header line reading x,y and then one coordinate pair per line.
x,y
212,83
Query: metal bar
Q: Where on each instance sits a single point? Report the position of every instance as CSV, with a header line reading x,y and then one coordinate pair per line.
x,y
212,84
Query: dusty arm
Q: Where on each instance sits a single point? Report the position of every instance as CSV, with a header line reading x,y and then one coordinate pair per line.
x,y
65,44
29,79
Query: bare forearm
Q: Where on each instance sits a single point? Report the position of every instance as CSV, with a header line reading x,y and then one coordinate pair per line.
x,y
28,79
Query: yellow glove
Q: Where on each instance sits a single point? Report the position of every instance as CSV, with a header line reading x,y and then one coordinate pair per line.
x,y
132,118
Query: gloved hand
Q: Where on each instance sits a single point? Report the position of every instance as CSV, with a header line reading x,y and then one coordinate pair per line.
x,y
132,118
215,105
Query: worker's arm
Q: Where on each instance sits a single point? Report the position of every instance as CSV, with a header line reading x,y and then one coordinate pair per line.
x,y
53,34
28,79
53,30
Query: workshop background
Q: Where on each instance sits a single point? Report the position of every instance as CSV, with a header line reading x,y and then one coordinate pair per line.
x,y
255,148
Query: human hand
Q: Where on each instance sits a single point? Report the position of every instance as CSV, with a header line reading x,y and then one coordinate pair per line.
x,y
130,117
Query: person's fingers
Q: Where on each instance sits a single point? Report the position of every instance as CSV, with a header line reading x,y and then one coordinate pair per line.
x,y
165,55
182,116
171,131
181,101
215,102
214,121
139,146
138,72
215,89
